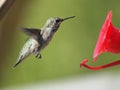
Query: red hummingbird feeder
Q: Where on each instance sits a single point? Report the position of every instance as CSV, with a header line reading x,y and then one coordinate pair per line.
x,y
108,41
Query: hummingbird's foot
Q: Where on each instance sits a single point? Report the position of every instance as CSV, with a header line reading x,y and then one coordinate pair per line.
x,y
38,56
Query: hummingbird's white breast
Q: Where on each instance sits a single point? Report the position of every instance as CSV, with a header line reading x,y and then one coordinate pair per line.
x,y
30,46
33,45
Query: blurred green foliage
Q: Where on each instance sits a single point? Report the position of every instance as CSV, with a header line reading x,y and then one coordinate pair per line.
x,y
74,41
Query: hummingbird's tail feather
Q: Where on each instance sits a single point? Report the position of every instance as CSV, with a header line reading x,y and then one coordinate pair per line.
x,y
16,64
20,59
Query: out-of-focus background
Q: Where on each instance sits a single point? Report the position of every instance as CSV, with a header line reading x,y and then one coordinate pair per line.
x,y
74,41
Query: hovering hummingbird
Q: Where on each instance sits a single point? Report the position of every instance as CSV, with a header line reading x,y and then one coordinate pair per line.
x,y
39,38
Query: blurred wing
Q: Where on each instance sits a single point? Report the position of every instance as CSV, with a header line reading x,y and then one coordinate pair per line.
x,y
33,32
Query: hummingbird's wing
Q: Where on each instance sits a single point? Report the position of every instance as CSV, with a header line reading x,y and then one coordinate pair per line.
x,y
33,32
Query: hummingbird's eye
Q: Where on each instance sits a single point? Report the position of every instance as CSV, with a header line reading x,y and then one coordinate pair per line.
x,y
57,20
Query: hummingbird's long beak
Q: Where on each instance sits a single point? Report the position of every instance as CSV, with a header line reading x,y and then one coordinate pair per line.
x,y
68,18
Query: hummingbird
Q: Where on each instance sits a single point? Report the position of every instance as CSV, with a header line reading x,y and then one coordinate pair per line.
x,y
39,38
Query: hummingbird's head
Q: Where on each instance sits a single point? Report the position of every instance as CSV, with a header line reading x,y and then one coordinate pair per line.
x,y
55,22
